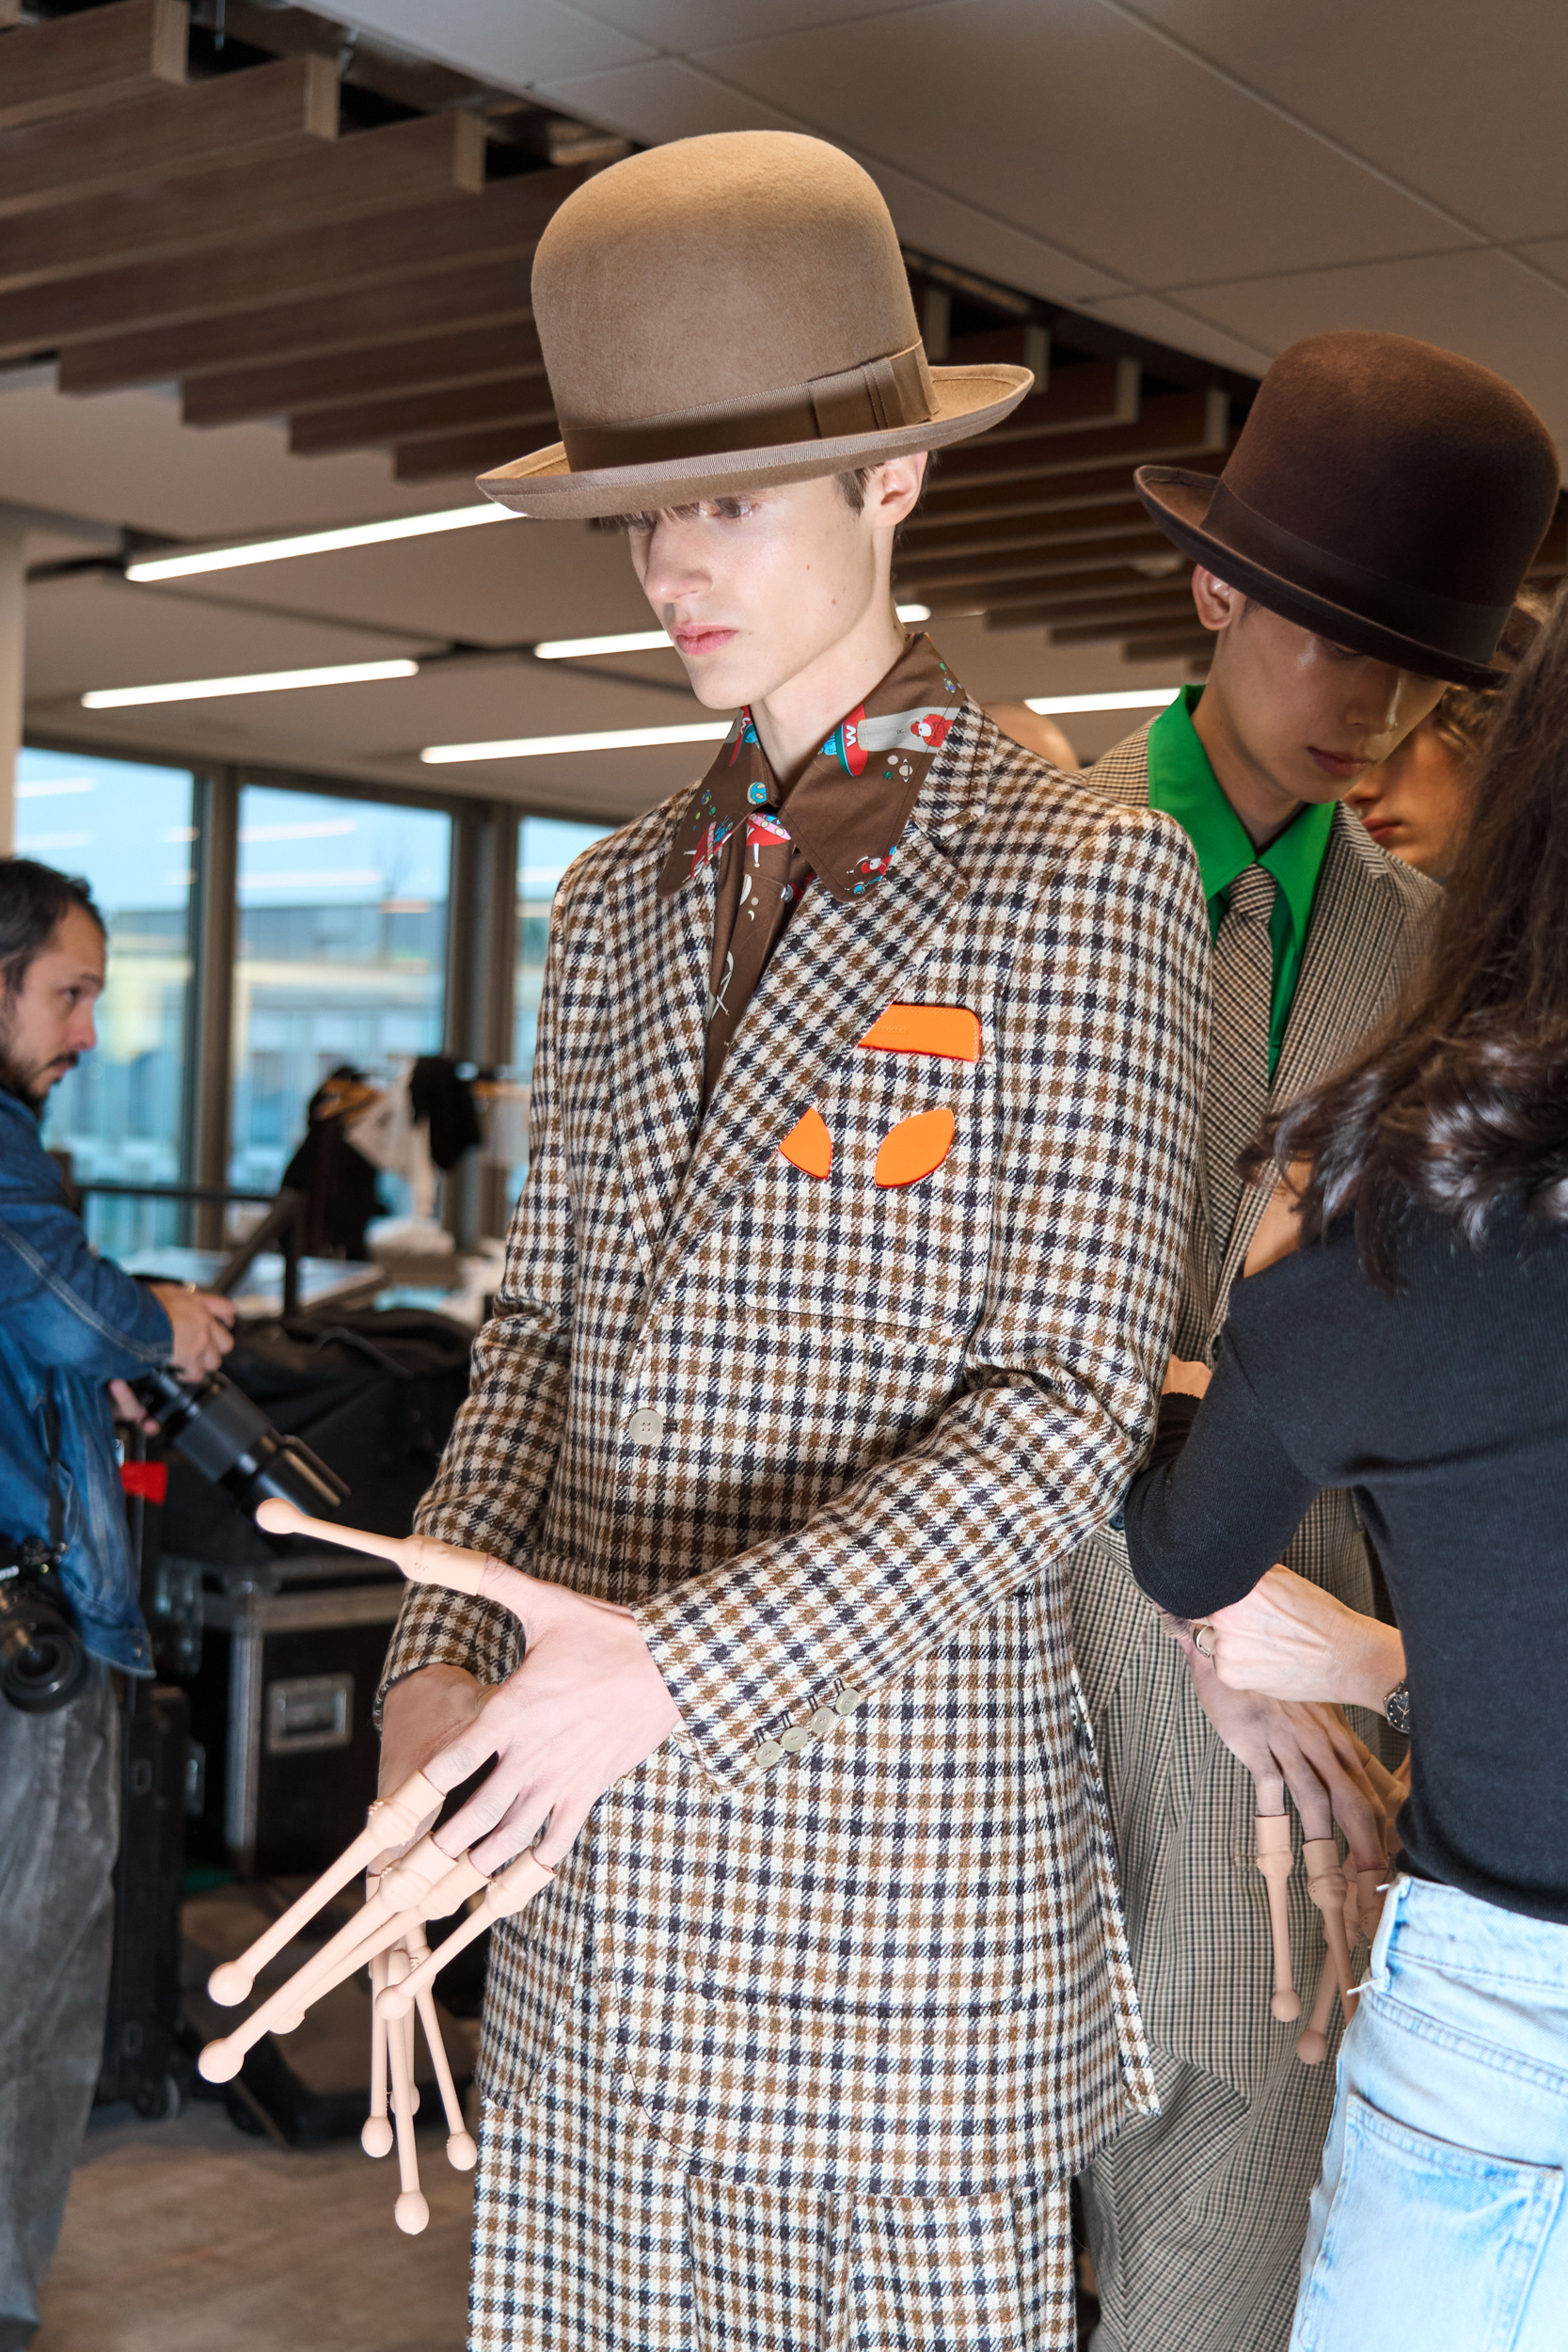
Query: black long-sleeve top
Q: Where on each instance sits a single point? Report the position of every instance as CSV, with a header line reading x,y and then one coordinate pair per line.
x,y
1444,1408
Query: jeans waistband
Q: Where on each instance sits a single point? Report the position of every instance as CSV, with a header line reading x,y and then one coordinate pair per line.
x,y
1445,1928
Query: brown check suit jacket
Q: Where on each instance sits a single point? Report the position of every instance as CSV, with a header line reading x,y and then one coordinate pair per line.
x,y
1182,1806
891,1959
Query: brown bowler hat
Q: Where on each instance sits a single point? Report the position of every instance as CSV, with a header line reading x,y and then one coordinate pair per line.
x,y
1384,493
728,311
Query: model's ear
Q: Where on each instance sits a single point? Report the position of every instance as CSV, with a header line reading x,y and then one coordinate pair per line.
x,y
1218,604
894,490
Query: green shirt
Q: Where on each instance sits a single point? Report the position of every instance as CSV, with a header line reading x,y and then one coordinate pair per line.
x,y
1182,784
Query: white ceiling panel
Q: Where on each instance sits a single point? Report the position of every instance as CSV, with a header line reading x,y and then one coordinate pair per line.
x,y
516,43
1064,121
684,25
1167,319
1461,101
1481,304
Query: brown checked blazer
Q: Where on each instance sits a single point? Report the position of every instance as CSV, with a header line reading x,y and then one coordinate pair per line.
x,y
1182,1806
855,1924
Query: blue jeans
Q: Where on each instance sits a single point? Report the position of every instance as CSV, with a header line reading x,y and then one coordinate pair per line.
x,y
1441,2220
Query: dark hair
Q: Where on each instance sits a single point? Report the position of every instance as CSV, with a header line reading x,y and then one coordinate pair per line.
x,y
34,901
1461,1102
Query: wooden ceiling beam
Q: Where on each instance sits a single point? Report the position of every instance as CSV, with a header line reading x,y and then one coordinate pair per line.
x,y
312,186
1076,400
509,401
1130,598
95,60
427,364
471,453
1176,424
1198,651
173,132
1116,518
952,502
392,248
1110,626
1061,561
466,297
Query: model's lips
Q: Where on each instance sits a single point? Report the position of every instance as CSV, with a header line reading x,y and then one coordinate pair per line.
x,y
1381,828
700,637
1337,763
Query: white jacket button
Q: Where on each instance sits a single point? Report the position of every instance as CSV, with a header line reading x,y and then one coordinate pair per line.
x,y
795,1738
847,1702
646,1427
769,1753
825,1718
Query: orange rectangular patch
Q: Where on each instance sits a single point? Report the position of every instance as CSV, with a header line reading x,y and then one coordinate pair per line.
x,y
951,1031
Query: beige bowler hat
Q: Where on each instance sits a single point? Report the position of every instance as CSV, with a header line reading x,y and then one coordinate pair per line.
x,y
728,311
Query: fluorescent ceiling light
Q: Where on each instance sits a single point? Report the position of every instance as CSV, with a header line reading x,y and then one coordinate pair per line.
x,y
1133,698
607,739
649,640
314,542
198,689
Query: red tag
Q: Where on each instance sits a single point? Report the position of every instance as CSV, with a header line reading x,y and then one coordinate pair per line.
x,y
147,1478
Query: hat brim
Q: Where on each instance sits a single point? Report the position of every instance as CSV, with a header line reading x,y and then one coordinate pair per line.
x,y
1179,500
968,400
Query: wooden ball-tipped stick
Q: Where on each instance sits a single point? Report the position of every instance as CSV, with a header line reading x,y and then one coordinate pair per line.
x,y
1276,1861
1325,1883
461,2154
376,2137
221,2060
411,2213
421,1559
1370,1884
511,1890
392,1822
1313,2045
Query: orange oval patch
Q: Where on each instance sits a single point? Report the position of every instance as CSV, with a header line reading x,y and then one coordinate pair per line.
x,y
951,1030
916,1147
809,1147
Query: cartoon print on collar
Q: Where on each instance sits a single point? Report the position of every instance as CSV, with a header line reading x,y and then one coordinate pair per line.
x,y
918,1146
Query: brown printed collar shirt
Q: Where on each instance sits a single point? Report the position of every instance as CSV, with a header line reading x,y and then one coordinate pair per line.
x,y
838,824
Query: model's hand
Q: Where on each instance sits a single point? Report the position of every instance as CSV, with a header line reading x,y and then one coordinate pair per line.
x,y
421,1714
1310,1750
127,1405
586,1706
201,1323
1279,1230
1186,1378
1291,1639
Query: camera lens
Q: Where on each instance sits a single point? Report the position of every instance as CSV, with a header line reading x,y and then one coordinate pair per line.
x,y
42,1663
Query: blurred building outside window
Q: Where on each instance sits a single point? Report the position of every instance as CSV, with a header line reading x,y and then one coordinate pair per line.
x,y
342,935
126,828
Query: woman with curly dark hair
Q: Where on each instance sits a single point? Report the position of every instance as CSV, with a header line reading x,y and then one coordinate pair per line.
x,y
1415,1349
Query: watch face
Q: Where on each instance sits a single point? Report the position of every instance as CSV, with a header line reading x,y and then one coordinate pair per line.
x,y
1397,1708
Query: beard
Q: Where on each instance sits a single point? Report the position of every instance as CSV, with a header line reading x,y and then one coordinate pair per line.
x,y
31,1082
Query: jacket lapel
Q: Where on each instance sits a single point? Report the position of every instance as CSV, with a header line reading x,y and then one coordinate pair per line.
x,y
1355,922
837,968
657,953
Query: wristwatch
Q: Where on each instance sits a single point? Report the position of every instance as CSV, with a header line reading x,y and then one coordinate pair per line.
x,y
1397,1708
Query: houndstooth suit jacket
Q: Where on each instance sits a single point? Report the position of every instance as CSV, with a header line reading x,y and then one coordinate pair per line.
x,y
855,1925
1182,1807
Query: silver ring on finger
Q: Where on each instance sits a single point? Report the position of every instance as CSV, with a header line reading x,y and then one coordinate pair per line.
x,y
1203,1649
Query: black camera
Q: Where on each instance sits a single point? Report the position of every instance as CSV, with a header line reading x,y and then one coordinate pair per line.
x,y
42,1663
230,1440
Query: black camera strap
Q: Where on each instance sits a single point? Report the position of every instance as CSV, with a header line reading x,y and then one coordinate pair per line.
x,y
52,1440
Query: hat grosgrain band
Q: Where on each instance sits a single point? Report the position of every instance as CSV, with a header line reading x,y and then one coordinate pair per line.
x,y
832,425
1391,620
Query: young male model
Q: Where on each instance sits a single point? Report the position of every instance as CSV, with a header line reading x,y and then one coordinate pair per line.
x,y
864,1104
1362,546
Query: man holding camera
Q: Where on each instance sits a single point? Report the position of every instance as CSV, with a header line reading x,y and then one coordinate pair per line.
x,y
73,1326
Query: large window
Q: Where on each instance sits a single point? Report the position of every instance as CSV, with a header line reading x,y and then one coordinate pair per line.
x,y
127,830
545,847
343,934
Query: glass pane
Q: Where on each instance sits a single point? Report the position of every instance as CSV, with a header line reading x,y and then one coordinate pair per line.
x,y
127,830
545,847
342,941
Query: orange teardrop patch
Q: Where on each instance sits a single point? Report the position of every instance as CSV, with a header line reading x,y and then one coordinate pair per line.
x,y
809,1147
951,1030
914,1148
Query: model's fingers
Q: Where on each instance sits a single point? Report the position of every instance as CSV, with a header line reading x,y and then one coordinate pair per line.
x,y
1271,1791
462,1756
1310,1796
525,1826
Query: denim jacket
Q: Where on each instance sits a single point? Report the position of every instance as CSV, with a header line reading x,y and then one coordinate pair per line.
x,y
66,1313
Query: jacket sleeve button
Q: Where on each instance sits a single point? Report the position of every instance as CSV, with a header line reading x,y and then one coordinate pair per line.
x,y
769,1753
825,1718
795,1738
847,1701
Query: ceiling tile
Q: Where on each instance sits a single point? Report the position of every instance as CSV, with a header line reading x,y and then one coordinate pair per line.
x,y
673,101
682,24
1077,126
1461,101
514,44
1481,304
1167,322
